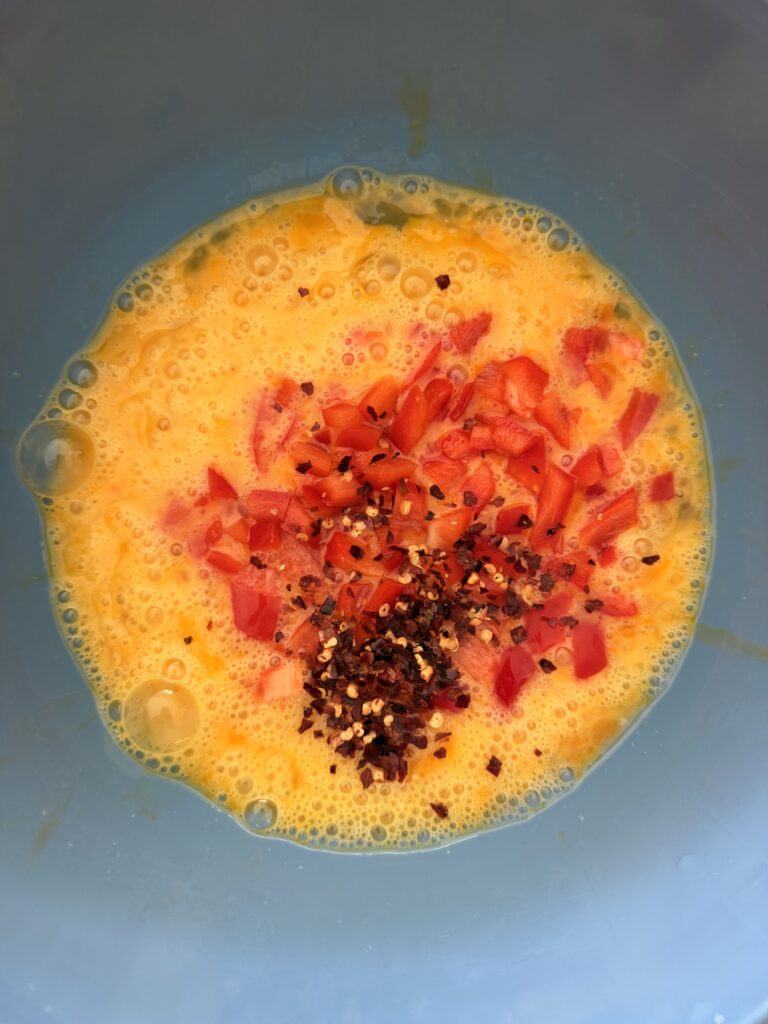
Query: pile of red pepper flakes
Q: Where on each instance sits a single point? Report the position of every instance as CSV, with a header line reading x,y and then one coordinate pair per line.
x,y
393,568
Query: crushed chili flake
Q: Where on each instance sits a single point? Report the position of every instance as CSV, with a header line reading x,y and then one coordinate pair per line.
x,y
209,624
519,634
303,467
344,464
537,752
442,281
554,529
493,766
366,777
303,292
187,640
594,604
440,753
277,407
435,491
327,607
497,502
524,522
547,666
279,636
470,498
371,412
440,810
378,457
535,469
356,551
307,387
332,769
650,559
568,620
546,582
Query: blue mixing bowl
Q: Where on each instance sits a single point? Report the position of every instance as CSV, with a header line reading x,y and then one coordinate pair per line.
x,y
642,897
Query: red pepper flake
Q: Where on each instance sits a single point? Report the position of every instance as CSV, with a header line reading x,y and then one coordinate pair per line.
x,y
536,752
524,522
371,412
519,634
442,281
440,810
378,457
277,407
650,559
307,387
187,640
344,464
594,604
306,723
303,467
279,636
366,777
547,666
303,292
441,752
356,551
327,607
209,624
435,491
494,766
332,769
535,469
497,502
470,498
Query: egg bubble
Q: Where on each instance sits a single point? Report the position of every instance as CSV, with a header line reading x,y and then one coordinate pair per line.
x,y
347,183
160,715
260,815
55,457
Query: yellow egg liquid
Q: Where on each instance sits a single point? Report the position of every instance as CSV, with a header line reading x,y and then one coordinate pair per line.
x,y
170,385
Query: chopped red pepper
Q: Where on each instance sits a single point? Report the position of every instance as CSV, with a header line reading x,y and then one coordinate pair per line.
x,y
515,669
610,520
635,417
411,421
467,334
554,501
219,486
589,654
663,486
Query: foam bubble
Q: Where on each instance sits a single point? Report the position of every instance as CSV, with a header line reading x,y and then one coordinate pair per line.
x,y
55,457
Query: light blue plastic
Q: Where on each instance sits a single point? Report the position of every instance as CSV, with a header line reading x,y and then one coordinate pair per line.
x,y
642,897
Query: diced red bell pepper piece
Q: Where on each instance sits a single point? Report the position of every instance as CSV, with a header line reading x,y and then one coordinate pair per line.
x,y
305,638
386,472
214,533
282,505
635,417
508,520
446,473
237,528
407,519
601,375
579,345
482,484
481,438
524,384
350,599
476,658
463,398
360,439
282,681
443,531
382,398
611,460
490,382
553,503
339,552
588,468
456,444
574,568
265,535
224,561
542,624
610,520
342,415
255,612
509,436
427,362
552,415
336,492
619,607
589,653
663,486
515,669
466,335
219,486
437,395
528,469
319,458
607,556
387,592
411,421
